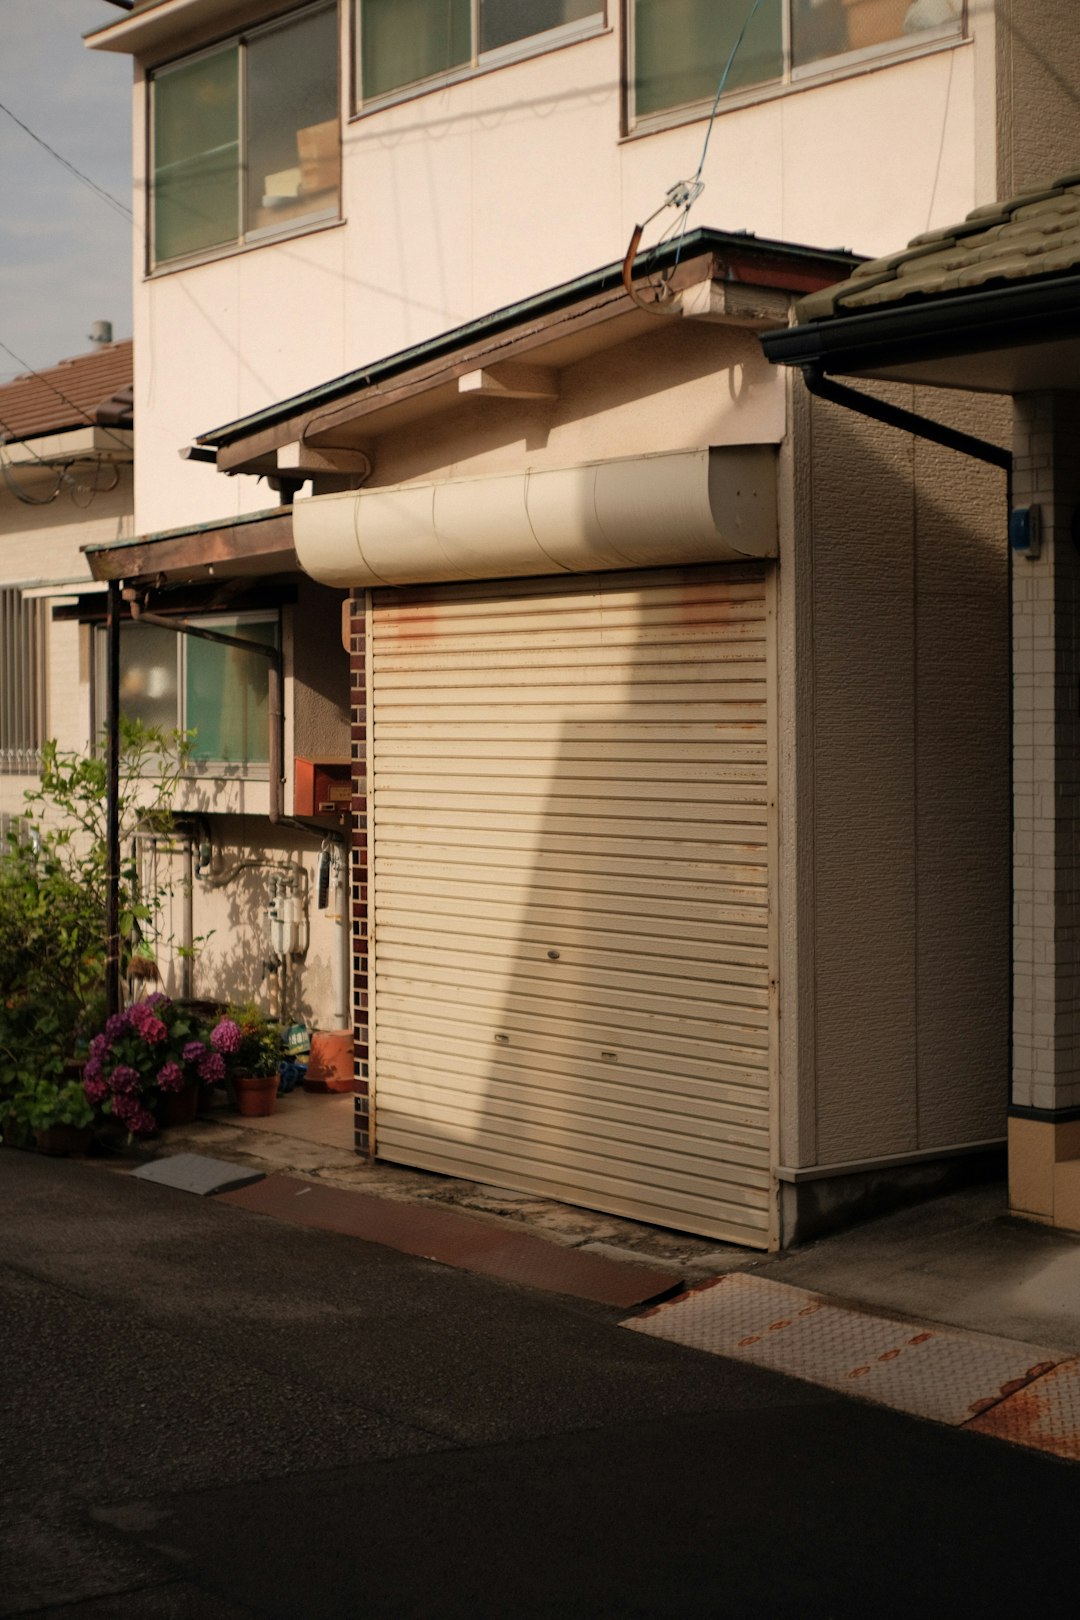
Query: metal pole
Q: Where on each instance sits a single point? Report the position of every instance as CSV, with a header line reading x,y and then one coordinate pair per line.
x,y
112,800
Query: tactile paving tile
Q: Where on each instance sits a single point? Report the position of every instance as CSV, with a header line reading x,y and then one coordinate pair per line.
x,y
1044,1415
932,1372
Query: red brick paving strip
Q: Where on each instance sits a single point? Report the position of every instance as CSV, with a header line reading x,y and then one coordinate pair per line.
x,y
455,1240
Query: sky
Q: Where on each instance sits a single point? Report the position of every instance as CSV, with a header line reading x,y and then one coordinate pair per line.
x,y
65,254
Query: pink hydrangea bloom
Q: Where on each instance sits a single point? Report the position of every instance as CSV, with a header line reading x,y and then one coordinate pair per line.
x,y
226,1036
124,1081
170,1077
147,1023
194,1052
96,1090
212,1068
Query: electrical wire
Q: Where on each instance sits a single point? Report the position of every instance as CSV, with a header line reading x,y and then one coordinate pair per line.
x,y
684,193
106,196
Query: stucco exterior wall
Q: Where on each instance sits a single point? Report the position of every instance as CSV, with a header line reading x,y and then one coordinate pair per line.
x,y
466,199
895,779
232,938
42,543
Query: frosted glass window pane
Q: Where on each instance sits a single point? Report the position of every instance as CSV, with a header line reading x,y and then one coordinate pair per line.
x,y
148,680
821,28
294,163
197,155
681,48
225,690
502,22
404,41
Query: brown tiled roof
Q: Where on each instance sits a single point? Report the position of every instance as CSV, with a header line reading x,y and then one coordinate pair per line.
x,y
66,395
1034,234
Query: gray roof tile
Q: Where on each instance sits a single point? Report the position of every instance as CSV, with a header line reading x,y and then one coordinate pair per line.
x,y
1035,233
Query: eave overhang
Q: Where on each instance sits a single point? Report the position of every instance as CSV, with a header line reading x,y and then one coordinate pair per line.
x,y
713,275
257,543
1013,338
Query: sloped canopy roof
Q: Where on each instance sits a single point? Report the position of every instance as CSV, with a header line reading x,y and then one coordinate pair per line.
x,y
992,303
91,388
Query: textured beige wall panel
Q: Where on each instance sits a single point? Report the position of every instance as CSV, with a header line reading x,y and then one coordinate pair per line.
x,y
864,751
910,832
1038,43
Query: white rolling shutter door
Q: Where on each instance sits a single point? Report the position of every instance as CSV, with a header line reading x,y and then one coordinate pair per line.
x,y
570,880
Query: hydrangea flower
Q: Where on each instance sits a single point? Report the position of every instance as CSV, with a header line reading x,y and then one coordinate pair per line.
x,y
212,1068
226,1036
130,1112
124,1081
170,1077
158,999
95,1088
98,1047
194,1052
146,1023
115,1026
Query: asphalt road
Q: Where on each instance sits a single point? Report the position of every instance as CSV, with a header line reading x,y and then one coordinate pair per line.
x,y
208,1415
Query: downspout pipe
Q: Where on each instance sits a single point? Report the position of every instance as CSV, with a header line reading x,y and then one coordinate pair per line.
x,y
924,427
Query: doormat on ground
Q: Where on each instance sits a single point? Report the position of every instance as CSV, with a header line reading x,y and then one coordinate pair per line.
x,y
457,1240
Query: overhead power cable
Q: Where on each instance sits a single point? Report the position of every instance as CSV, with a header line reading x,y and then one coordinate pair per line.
x,y
106,196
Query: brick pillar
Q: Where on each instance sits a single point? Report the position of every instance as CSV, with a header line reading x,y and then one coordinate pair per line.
x,y
363,1136
1044,1125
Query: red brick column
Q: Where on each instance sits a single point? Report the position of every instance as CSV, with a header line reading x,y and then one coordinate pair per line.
x,y
358,874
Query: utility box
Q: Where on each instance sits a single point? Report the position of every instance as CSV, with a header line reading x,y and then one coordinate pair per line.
x,y
322,788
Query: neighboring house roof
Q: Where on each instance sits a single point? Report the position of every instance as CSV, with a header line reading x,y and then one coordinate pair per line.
x,y
991,304
1036,233
91,388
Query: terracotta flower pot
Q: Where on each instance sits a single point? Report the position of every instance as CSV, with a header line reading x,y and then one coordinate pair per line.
x,y
180,1107
62,1139
256,1094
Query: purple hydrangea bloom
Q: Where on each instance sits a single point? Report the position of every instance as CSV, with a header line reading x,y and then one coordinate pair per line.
x,y
171,1077
124,1081
194,1052
212,1068
98,1047
226,1036
130,1112
94,1069
115,1026
158,1000
95,1088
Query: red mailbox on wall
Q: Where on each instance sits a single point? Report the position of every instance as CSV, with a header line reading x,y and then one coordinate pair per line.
x,y
322,788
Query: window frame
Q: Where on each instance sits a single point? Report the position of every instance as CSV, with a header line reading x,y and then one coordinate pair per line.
x,y
552,39
24,681
245,239
842,65
246,770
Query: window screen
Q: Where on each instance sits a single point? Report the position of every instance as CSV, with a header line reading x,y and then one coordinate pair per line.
x,y
681,48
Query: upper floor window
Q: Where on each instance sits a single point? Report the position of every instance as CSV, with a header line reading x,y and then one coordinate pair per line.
x,y
680,48
245,140
407,43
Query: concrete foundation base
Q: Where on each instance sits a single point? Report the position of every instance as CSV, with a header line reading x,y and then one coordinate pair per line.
x,y
1044,1171
811,1209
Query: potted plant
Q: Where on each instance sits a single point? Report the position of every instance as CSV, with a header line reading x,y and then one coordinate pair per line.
x,y
55,1110
249,1045
145,1067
